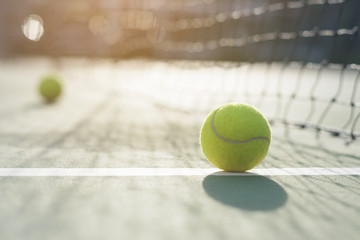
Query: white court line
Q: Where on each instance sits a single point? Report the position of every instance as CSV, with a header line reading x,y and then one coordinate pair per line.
x,y
120,172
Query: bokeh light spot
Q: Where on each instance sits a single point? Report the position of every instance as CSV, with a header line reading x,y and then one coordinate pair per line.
x,y
98,24
33,27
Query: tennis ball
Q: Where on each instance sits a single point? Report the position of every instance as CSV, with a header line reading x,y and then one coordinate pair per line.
x,y
50,87
235,137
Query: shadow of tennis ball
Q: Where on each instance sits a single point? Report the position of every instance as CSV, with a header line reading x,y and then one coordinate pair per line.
x,y
252,193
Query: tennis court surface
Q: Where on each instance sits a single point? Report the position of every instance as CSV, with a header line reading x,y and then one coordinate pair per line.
x,y
118,158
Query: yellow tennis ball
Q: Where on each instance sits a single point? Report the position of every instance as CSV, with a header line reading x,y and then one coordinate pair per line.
x,y
235,137
50,87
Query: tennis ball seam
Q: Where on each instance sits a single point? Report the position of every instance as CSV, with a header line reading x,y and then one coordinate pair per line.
x,y
232,141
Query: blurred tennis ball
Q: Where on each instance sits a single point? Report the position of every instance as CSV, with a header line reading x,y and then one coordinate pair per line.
x,y
235,137
50,87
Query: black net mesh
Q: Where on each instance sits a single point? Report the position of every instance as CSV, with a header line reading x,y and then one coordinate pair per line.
x,y
311,39
237,30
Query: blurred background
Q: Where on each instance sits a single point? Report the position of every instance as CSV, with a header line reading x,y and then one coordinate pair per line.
x,y
236,30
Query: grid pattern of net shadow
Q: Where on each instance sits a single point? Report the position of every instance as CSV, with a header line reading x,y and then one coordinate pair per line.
x,y
153,110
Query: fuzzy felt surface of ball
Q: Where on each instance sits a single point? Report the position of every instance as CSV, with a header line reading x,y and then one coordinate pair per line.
x,y
235,137
50,87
